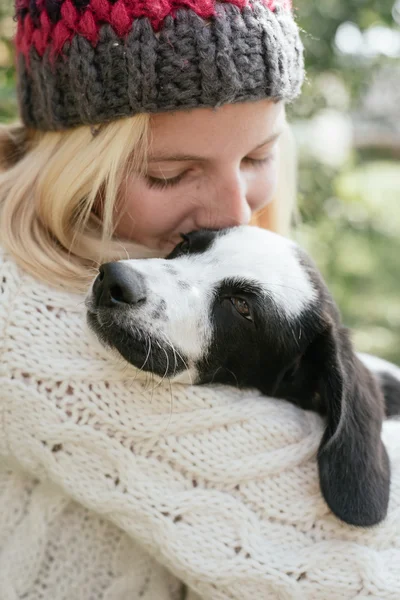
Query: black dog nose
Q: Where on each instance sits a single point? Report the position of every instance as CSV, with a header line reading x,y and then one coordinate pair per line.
x,y
118,283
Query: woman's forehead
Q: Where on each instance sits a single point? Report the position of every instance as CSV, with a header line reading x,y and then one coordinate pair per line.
x,y
203,132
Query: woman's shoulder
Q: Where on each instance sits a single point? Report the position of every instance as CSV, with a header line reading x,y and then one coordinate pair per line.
x,y
10,285
9,270
36,319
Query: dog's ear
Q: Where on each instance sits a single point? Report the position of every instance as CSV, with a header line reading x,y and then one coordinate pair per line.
x,y
353,464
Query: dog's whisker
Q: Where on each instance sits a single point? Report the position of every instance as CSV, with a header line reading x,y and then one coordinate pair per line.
x,y
150,370
165,374
228,371
215,374
296,339
171,408
166,366
235,378
148,352
177,353
141,368
173,352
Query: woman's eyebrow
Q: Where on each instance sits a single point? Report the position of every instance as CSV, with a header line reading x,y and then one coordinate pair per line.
x,y
272,138
175,157
195,157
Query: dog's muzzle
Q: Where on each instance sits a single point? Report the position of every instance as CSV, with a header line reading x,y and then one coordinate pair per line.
x,y
118,284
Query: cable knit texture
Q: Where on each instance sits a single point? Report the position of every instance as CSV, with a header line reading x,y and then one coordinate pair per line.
x,y
88,62
117,487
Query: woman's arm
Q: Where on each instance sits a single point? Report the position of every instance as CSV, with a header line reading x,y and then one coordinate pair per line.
x,y
219,485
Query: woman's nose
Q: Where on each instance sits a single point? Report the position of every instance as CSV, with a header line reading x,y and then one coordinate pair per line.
x,y
227,204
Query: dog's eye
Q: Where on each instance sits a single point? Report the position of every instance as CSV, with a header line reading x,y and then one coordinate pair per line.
x,y
242,307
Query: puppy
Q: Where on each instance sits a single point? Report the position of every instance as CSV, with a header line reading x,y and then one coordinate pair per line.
x,y
247,307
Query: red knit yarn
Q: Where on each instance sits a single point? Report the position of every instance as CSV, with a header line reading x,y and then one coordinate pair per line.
x,y
120,16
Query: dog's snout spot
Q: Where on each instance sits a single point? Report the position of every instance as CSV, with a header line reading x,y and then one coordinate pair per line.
x,y
160,311
156,315
183,285
171,270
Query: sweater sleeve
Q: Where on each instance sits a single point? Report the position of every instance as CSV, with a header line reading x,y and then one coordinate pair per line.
x,y
218,485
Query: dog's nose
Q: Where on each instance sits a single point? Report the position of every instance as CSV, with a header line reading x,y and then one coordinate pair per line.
x,y
117,284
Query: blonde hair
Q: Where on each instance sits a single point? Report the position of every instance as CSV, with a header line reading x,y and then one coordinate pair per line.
x,y
281,214
53,181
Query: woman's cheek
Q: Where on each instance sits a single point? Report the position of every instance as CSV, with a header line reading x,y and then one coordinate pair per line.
x,y
264,188
273,180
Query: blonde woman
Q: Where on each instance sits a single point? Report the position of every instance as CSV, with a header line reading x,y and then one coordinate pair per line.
x,y
142,120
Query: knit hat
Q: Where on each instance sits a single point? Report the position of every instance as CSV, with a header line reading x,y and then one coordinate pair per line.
x,y
92,61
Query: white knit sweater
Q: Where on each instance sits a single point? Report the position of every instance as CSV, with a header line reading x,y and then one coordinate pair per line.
x,y
113,487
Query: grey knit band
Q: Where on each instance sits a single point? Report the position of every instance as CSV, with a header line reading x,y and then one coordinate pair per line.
x,y
238,55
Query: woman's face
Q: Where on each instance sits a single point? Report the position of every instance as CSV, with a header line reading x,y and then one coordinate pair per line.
x,y
206,169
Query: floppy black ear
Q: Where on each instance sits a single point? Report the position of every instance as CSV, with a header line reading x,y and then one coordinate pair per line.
x,y
353,464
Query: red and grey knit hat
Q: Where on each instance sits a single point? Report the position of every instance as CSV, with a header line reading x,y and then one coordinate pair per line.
x,y
92,61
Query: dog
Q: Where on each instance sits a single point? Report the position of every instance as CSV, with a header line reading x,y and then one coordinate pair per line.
x,y
247,307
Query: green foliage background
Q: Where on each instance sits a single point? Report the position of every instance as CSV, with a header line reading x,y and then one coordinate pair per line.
x,y
350,213
8,104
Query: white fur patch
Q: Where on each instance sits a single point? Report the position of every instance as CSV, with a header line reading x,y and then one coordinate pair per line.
x,y
184,323
379,365
269,260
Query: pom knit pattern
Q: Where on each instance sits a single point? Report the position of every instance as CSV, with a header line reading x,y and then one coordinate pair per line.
x,y
114,486
92,61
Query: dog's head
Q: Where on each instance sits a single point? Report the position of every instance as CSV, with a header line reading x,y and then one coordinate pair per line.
x,y
247,307
232,306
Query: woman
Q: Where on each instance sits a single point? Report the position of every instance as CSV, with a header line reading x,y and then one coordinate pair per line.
x,y
144,120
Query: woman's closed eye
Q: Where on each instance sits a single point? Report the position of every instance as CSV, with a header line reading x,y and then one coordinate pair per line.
x,y
164,182
258,162
161,183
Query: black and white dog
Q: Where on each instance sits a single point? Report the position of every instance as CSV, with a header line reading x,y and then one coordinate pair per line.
x,y
247,307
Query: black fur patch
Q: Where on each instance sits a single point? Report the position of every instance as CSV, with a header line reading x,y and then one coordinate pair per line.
x,y
136,347
196,242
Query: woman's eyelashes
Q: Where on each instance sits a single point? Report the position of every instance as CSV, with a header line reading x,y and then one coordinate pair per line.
x,y
258,162
162,183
